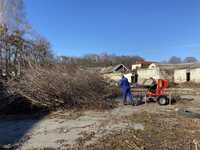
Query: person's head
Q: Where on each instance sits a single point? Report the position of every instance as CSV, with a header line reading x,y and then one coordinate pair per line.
x,y
122,75
153,80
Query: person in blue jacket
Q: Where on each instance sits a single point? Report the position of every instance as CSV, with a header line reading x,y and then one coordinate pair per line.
x,y
125,89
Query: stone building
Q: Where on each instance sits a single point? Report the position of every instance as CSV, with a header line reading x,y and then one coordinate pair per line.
x,y
115,72
143,65
146,69
188,73
178,73
141,71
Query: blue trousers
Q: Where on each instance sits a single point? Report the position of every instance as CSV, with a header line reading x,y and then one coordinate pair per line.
x,y
127,93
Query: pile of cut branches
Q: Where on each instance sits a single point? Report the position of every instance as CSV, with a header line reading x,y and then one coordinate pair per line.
x,y
64,87
188,85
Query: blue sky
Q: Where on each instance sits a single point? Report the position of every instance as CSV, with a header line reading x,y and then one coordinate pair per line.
x,y
153,29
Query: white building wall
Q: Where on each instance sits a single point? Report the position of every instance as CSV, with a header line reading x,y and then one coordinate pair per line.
x,y
180,76
144,74
136,66
152,66
195,75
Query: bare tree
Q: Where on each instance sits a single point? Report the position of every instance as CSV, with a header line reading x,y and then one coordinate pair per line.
x,y
12,28
174,60
41,50
12,14
190,60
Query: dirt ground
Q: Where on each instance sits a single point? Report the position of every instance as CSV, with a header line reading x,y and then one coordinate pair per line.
x,y
148,126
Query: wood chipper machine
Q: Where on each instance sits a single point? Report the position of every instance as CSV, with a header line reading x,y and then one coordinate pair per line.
x,y
156,91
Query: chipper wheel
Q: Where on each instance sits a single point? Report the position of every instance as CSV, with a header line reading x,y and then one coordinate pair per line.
x,y
163,100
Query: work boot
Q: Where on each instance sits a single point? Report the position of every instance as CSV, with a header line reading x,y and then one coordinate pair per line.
x,y
125,103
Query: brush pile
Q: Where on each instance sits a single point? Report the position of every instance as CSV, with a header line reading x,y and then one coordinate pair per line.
x,y
56,87
191,85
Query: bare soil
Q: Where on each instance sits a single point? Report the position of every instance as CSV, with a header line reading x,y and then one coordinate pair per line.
x,y
147,126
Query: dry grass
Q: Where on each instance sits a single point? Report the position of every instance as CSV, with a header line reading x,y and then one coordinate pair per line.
x,y
162,132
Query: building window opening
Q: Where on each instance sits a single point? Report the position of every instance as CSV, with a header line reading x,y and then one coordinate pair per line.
x,y
134,78
188,76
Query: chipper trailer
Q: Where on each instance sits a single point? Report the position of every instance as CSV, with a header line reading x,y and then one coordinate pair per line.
x,y
156,92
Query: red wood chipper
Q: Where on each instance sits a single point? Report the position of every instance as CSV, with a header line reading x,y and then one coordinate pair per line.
x,y
156,91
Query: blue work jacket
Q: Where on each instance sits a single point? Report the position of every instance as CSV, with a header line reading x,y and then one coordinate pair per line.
x,y
124,84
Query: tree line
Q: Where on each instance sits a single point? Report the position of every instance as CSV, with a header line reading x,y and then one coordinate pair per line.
x,y
178,60
101,60
105,60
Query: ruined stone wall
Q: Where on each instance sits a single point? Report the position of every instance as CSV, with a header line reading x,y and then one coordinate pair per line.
x,y
144,74
180,76
195,75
